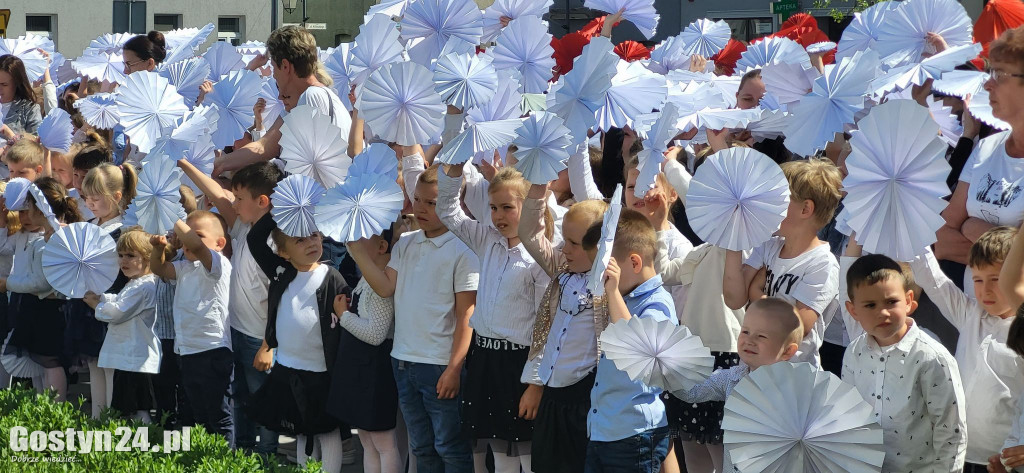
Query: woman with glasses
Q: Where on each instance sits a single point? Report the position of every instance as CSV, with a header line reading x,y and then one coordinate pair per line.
x,y
19,106
141,53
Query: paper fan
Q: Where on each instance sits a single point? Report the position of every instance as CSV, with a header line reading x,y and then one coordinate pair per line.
x,y
18,363
904,77
465,80
363,206
510,9
390,9
60,70
378,158
950,129
604,246
788,82
669,55
80,258
148,105
773,51
187,76
660,354
223,58
718,119
650,158
234,97
110,42
635,90
525,45
862,32
15,192
981,108
477,138
399,104
272,96
294,201
640,13
503,105
311,145
25,49
157,202
821,48
376,45
705,37
55,131
534,103
788,417
182,136
43,206
897,179
432,22
630,51
102,67
836,98
737,199
250,49
960,83
337,67
901,36
578,95
543,144
183,42
770,126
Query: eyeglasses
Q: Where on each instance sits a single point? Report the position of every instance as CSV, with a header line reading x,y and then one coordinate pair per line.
x,y
129,65
998,75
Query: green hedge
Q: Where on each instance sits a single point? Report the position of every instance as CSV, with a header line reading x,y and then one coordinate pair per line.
x,y
41,412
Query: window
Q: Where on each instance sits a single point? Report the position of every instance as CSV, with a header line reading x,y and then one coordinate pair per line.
x,y
129,16
746,29
42,25
229,28
164,23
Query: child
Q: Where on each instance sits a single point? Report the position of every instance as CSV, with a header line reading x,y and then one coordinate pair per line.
x,y
16,239
251,187
562,370
85,159
131,349
371,406
26,157
201,316
503,317
107,191
433,277
302,298
796,265
627,426
992,374
910,380
1011,457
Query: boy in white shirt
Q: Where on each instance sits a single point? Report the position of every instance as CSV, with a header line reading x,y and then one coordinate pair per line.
x,y
910,380
201,317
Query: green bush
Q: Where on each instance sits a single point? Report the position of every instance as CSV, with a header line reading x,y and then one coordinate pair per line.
x,y
209,453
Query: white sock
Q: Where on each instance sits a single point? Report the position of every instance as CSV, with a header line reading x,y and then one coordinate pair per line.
x,y
331,450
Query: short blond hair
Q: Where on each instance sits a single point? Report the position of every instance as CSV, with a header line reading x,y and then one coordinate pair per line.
x,y
817,180
429,175
587,212
297,45
135,240
783,314
634,234
27,151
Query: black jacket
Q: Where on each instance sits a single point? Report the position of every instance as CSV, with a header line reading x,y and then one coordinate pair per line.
x,y
281,273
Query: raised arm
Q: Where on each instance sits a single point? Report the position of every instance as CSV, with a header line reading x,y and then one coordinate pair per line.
x,y
191,241
678,177
382,281
531,231
953,304
213,191
477,236
736,280
581,177
412,166
266,258
355,134
157,260
263,149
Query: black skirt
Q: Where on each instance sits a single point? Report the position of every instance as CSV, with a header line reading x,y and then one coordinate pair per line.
x,y
560,431
133,392
491,393
293,402
84,334
701,423
39,330
363,393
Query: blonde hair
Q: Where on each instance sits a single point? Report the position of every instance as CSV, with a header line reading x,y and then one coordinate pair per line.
x,y
428,176
634,234
134,240
817,180
106,180
13,222
783,314
26,151
509,178
587,212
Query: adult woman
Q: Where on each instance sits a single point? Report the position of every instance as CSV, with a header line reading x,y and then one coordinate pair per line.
x,y
20,109
141,53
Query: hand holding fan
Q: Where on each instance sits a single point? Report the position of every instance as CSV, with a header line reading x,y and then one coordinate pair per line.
x,y
604,246
186,76
901,36
639,12
400,105
233,98
80,258
55,131
635,90
294,200
543,144
660,354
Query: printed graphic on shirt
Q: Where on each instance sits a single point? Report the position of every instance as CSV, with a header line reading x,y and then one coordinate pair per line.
x,y
778,284
997,192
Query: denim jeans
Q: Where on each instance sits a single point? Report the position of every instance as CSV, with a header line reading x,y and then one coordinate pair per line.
x,y
641,453
435,426
206,377
246,381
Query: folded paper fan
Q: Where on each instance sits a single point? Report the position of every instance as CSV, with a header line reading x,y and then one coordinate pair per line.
x,y
503,105
183,42
80,258
477,138
186,76
788,417
905,77
650,158
542,144
363,206
640,13
996,17
433,22
25,49
250,49
311,145
102,67
148,105
110,42
770,126
705,37
773,51
337,67
981,108
863,30
950,129
510,9
630,50
960,83
821,48
901,36
376,45
525,45
157,205
897,179
604,245
718,119
234,97
669,55
294,203
788,82
99,110
378,158
182,136
578,95
55,131
737,199
223,59
635,90
390,9
272,97
15,192
659,354
534,103
465,80
18,362
400,105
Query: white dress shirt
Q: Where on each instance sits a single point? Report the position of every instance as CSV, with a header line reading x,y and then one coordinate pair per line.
x,y
992,373
570,353
27,270
914,389
131,343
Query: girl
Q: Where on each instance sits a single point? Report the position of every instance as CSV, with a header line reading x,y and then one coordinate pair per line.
x,y
131,350
107,191
371,406
16,239
39,330
94,153
19,106
301,326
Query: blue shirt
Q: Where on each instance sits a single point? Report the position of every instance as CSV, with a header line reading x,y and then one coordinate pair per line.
x,y
622,408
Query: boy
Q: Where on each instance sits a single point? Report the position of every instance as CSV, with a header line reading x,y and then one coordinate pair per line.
x,y
25,158
433,278
251,187
627,425
201,316
795,265
910,380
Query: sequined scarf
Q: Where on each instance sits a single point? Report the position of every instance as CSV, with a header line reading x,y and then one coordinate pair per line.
x,y
549,307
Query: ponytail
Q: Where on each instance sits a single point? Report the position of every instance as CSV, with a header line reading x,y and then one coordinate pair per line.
x,y
130,185
149,46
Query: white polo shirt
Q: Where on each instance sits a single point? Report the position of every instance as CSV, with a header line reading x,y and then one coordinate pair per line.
x,y
201,305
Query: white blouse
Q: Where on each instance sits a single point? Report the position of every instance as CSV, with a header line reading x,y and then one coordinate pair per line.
x,y
131,343
376,320
27,271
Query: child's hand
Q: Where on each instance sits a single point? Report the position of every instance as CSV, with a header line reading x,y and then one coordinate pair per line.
x,y
657,200
264,359
448,384
204,88
530,402
1012,457
698,63
611,276
340,304
257,110
158,241
91,299
3,284
537,191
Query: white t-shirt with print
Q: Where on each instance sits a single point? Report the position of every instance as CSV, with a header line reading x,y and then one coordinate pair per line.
x,y
325,101
996,181
811,278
